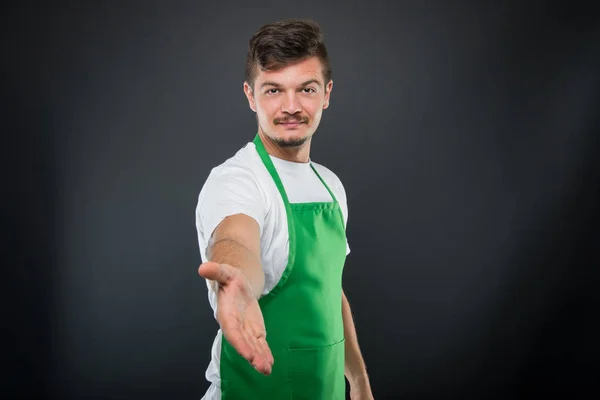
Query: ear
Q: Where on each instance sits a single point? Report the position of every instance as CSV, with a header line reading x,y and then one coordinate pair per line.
x,y
328,89
250,96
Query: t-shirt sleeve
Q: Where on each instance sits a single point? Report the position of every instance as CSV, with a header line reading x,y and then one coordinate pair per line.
x,y
228,190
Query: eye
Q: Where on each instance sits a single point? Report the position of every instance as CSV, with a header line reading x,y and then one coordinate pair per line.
x,y
272,91
309,90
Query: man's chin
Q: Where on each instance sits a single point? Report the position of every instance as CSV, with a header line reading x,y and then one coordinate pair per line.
x,y
287,140
291,142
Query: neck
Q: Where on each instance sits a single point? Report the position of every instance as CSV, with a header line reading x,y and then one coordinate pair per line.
x,y
299,154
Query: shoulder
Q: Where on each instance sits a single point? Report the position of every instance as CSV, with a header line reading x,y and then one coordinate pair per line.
x,y
243,168
233,187
237,180
243,161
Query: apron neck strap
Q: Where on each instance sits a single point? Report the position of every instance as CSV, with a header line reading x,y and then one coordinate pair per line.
x,y
262,152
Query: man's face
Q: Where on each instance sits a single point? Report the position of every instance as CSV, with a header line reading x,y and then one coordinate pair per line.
x,y
289,102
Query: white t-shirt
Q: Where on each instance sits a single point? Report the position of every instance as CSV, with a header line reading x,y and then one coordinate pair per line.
x,y
242,184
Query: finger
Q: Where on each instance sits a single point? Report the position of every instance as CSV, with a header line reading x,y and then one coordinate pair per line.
x,y
258,339
266,350
215,271
242,342
259,335
262,366
257,360
264,359
260,342
239,343
252,343
260,351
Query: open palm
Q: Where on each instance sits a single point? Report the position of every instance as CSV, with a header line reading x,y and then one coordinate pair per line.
x,y
239,314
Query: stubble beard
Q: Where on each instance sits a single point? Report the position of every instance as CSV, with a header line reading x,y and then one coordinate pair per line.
x,y
291,142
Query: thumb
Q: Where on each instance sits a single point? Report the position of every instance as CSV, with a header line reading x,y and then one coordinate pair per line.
x,y
216,272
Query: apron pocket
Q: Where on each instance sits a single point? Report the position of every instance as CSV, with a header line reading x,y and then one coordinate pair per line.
x,y
317,373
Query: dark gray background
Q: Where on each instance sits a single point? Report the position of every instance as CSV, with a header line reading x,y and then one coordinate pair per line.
x,y
466,135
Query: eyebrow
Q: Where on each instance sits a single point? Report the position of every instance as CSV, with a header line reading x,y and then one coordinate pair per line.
x,y
308,82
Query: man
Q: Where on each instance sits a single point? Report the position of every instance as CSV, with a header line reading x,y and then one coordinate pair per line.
x,y
271,228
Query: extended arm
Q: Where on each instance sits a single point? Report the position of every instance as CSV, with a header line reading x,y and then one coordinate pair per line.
x,y
236,242
237,277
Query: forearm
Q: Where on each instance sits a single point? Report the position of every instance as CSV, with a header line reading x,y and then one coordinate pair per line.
x,y
355,368
231,252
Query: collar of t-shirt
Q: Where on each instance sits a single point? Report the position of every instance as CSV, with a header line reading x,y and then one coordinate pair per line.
x,y
290,166
301,184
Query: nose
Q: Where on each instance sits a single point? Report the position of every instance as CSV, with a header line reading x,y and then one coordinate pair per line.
x,y
291,104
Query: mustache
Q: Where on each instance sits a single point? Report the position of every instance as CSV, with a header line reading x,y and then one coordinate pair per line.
x,y
286,120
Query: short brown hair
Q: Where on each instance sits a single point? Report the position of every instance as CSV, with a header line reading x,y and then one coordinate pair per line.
x,y
275,45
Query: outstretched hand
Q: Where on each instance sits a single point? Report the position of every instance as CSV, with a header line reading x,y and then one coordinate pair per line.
x,y
239,314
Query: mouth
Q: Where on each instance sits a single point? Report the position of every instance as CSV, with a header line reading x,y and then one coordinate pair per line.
x,y
293,124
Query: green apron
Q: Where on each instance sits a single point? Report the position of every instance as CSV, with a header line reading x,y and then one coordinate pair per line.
x,y
303,313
